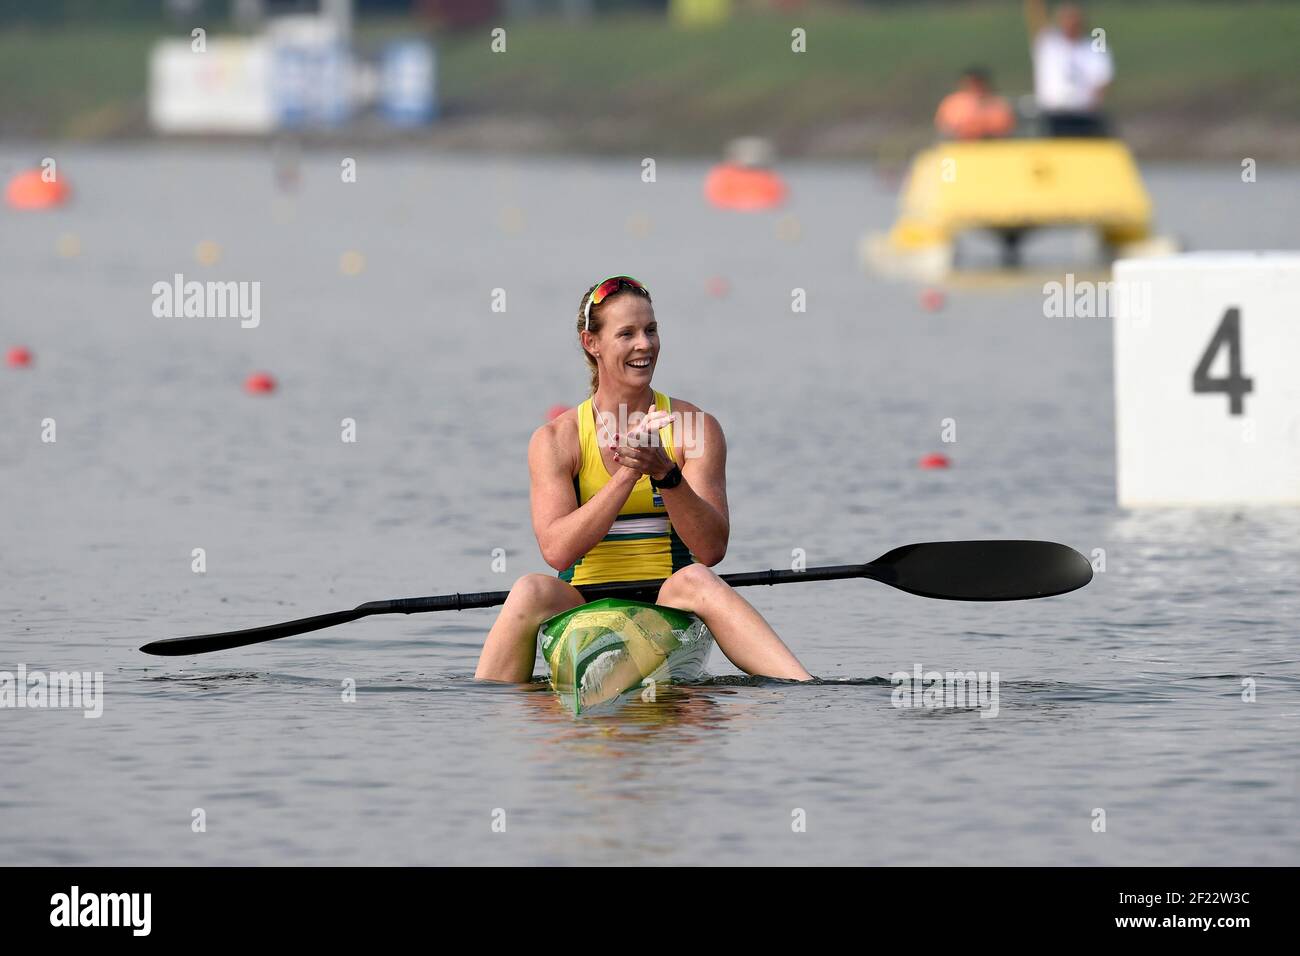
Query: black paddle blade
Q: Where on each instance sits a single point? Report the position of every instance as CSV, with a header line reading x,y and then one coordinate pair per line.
x,y
983,570
206,643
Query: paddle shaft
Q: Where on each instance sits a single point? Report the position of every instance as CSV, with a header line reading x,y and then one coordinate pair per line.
x,y
948,570
628,590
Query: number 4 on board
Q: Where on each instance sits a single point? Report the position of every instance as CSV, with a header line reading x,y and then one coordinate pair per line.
x,y
1228,333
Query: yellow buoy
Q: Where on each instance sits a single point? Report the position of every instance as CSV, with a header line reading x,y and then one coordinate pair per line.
x,y
207,252
352,263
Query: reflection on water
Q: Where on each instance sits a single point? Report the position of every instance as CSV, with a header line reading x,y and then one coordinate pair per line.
x,y
676,718
1199,527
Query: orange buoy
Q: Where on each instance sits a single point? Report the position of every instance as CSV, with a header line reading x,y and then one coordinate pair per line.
x,y
31,190
935,460
743,188
18,357
555,411
259,383
718,286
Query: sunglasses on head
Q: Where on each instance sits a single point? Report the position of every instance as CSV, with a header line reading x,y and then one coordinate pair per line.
x,y
605,289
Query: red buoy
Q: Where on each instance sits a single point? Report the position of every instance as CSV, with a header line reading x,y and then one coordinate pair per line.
x,y
932,300
935,460
555,411
259,383
18,357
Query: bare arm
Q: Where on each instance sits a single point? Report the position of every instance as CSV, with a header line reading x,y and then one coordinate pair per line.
x,y
698,506
1035,17
565,532
1106,77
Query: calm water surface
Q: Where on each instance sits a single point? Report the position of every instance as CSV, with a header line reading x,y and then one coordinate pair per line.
x,y
1126,696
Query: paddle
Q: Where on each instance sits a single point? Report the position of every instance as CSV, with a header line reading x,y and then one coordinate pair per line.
x,y
950,570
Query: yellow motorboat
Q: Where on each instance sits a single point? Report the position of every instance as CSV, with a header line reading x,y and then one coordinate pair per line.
x,y
1011,187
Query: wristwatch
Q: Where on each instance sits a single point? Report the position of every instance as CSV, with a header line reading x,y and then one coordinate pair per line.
x,y
670,480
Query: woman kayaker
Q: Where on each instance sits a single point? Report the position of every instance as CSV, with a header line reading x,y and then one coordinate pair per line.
x,y
612,503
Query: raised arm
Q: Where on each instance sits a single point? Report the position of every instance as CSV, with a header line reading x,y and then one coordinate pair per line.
x,y
1035,17
564,531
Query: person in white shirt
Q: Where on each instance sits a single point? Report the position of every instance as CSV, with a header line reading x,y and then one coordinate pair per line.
x,y
1071,71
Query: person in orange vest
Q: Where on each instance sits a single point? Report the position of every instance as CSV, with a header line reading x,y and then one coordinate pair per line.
x,y
974,111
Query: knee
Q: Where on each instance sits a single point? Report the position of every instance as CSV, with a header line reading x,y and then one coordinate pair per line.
x,y
689,582
533,588
537,596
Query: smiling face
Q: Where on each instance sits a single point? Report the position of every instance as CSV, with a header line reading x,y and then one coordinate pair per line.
x,y
627,342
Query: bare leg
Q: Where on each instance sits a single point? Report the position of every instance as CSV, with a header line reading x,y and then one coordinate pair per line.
x,y
510,650
748,641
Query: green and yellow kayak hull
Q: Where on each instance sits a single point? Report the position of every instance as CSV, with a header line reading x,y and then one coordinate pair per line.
x,y
598,652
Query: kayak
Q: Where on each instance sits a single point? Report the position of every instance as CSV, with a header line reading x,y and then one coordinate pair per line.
x,y
598,652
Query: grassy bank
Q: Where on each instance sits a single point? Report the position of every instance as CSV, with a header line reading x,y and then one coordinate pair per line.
x,y
1195,79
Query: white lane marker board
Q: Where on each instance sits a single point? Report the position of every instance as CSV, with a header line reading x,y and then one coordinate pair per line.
x,y
1207,379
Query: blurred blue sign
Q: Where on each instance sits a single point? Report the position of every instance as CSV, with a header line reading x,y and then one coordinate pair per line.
x,y
408,83
310,84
